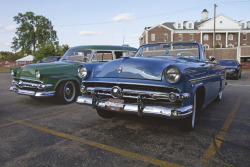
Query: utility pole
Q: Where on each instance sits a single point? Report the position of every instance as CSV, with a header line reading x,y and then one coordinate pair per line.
x,y
50,35
214,27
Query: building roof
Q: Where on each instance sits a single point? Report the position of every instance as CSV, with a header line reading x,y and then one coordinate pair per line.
x,y
171,25
26,58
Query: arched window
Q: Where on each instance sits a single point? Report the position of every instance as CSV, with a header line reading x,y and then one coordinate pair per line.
x,y
218,37
230,37
205,37
206,46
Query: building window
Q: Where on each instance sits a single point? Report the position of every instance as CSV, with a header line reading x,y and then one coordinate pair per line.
x,y
218,37
230,37
205,37
191,37
180,37
190,25
152,37
206,46
244,36
165,37
242,25
179,25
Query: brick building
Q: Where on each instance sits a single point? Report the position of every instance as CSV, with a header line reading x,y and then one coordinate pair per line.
x,y
229,33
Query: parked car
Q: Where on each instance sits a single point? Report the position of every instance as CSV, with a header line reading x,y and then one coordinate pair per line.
x,y
60,79
233,68
172,80
50,59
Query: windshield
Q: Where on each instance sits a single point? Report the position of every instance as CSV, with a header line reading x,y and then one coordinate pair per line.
x,y
77,55
227,63
182,50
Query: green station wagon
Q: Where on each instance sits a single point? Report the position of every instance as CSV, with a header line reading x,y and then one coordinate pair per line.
x,y
60,79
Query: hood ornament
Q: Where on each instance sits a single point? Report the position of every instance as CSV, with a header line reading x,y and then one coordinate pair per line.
x,y
119,70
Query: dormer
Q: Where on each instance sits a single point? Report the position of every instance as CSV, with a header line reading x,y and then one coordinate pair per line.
x,y
248,25
178,25
189,25
243,24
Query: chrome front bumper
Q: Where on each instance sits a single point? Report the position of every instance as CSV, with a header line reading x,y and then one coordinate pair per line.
x,y
31,93
141,109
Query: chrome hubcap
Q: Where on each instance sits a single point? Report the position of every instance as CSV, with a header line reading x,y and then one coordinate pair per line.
x,y
67,91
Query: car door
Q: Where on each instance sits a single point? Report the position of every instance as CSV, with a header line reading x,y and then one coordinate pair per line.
x,y
214,80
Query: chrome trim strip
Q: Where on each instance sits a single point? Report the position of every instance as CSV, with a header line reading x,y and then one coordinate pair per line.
x,y
31,93
146,110
129,83
23,84
28,80
130,93
204,78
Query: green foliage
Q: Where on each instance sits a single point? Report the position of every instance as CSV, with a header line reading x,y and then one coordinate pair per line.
x,y
50,50
33,31
9,56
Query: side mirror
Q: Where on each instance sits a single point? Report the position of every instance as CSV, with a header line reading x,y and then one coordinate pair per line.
x,y
211,58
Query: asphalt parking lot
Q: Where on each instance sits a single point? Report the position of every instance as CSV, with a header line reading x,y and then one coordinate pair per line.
x,y
41,132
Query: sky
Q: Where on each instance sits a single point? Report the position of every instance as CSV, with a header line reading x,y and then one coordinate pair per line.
x,y
111,22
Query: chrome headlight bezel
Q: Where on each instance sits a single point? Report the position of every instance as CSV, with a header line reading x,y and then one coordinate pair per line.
x,y
82,71
37,73
172,74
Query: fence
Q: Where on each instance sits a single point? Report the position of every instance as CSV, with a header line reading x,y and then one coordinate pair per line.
x,y
242,54
8,64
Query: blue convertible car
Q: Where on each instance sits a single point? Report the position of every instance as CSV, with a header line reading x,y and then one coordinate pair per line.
x,y
172,80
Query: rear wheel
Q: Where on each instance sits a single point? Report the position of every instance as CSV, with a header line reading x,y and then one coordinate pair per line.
x,y
104,113
188,123
66,92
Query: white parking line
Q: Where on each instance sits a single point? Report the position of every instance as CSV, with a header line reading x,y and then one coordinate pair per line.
x,y
237,85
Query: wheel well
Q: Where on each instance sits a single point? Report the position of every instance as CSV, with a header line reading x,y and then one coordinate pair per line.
x,y
200,97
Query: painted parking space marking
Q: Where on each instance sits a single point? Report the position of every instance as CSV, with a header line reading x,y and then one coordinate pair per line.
x,y
237,85
216,144
115,150
36,117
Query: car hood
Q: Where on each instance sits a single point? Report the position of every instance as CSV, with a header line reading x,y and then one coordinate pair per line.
x,y
134,68
52,68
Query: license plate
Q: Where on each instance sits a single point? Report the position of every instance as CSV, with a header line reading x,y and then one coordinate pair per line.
x,y
114,104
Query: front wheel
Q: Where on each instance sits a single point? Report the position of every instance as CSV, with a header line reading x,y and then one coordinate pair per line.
x,y
104,113
66,92
188,123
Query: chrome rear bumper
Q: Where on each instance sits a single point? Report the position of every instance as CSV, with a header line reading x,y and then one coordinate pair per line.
x,y
168,112
31,93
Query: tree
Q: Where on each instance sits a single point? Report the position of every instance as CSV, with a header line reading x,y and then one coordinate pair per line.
x,y
50,50
45,51
9,56
33,30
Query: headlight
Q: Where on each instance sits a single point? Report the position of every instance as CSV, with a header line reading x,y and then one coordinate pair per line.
x,y
37,74
12,72
82,71
172,74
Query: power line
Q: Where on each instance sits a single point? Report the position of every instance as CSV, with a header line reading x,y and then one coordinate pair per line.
x,y
156,15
